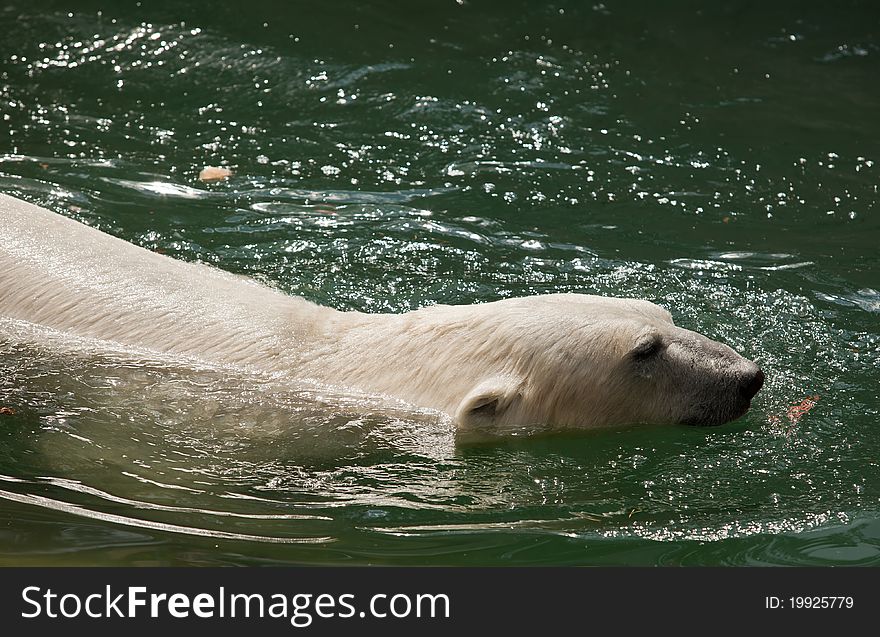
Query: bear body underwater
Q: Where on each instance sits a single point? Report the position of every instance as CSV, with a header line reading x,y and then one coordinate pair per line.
x,y
558,360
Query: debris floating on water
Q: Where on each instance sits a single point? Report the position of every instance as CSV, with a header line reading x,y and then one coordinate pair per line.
x,y
214,173
7,411
796,412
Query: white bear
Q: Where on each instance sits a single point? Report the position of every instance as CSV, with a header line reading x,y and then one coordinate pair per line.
x,y
556,361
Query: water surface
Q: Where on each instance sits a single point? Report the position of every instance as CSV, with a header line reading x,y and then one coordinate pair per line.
x,y
720,161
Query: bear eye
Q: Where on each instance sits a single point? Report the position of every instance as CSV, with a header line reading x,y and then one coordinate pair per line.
x,y
647,347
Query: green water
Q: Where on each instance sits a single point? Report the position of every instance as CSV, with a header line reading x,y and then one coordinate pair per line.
x,y
722,161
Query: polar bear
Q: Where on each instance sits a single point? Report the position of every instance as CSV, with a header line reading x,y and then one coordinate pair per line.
x,y
555,361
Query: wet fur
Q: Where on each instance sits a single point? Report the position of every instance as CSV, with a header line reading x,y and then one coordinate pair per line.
x,y
561,360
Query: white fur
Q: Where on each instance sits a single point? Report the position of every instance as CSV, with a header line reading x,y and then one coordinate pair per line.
x,y
564,360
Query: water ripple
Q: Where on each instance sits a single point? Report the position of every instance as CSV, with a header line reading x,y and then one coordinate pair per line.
x,y
386,161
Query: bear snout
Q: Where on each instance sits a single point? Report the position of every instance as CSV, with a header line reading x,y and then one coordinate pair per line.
x,y
752,383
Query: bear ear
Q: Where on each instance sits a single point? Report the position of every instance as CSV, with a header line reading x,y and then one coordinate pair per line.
x,y
488,401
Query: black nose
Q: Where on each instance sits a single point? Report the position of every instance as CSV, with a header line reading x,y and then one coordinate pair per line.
x,y
753,383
